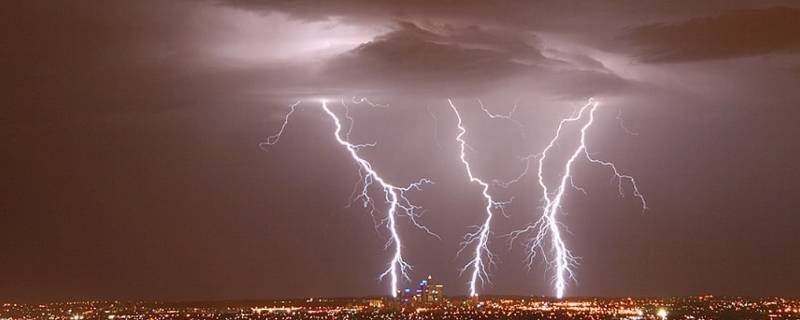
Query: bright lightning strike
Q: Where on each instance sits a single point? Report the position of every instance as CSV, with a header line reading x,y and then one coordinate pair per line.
x,y
478,265
548,223
394,196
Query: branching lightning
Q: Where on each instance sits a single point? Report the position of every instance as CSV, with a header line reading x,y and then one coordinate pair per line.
x,y
273,139
548,224
477,265
395,197
509,116
562,261
622,124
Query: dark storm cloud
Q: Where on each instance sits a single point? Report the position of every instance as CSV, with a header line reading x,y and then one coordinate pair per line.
x,y
446,59
728,35
589,18
449,49
412,57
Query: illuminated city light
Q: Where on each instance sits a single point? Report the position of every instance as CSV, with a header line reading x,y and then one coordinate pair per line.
x,y
456,308
662,313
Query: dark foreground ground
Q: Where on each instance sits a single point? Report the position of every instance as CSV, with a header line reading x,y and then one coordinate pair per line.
x,y
704,307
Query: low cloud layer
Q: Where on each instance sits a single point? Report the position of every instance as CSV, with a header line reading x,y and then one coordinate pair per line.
x,y
581,48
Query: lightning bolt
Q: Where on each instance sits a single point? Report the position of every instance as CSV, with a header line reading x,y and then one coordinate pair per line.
x,y
395,197
370,103
509,116
481,235
622,124
273,139
548,224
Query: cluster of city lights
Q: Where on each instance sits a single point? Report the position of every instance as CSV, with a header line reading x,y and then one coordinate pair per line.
x,y
692,308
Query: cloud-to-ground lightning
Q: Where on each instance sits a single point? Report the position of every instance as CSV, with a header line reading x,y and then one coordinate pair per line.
x,y
394,196
547,224
482,255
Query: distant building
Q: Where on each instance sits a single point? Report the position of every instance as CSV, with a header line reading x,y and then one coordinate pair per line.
x,y
406,296
428,293
431,293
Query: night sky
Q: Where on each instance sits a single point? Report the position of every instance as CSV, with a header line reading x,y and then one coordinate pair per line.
x,y
131,164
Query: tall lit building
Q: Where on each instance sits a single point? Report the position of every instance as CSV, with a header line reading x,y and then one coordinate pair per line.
x,y
431,293
427,293
406,296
